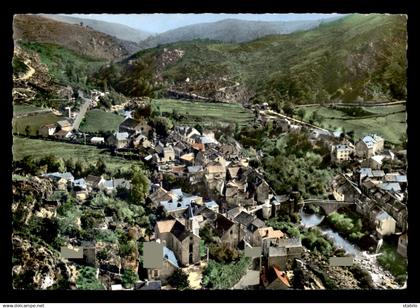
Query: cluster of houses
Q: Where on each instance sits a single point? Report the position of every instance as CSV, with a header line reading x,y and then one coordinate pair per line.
x,y
380,196
237,228
83,187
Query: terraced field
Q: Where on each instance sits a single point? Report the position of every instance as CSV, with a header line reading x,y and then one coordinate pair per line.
x,y
39,148
34,122
97,120
206,112
389,122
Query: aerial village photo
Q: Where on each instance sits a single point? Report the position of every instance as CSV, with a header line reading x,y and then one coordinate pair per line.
x,y
209,152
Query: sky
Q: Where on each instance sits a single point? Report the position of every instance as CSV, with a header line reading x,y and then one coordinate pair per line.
x,y
157,23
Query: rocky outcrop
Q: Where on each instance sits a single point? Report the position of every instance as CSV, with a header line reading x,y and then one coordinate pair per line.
x,y
38,267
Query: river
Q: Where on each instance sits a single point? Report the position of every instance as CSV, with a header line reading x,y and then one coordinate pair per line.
x,y
381,278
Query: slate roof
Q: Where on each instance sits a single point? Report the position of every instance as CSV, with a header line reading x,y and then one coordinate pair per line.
x,y
378,173
366,172
63,123
244,218
129,123
179,231
80,183
371,140
160,195
194,169
390,186
65,175
211,204
383,216
170,256
93,179
206,213
151,285
121,136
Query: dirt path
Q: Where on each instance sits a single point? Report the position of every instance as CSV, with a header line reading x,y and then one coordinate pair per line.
x,y
29,73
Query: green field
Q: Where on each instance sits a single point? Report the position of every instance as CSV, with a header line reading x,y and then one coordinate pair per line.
x,y
208,113
388,122
24,109
97,120
39,148
34,122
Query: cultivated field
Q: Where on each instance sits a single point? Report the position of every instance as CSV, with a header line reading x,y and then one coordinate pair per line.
x,y
39,148
97,120
34,122
389,122
208,113
24,109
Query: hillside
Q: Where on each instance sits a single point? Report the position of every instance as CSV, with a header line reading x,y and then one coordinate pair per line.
x,y
114,29
358,57
80,39
230,31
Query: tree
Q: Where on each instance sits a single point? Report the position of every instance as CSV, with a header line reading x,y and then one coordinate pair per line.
x,y
129,277
53,163
139,186
179,280
288,109
27,130
100,167
79,169
28,165
86,280
162,125
142,111
301,113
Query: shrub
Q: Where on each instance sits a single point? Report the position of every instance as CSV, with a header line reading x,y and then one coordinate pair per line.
x,y
129,277
224,276
86,280
179,280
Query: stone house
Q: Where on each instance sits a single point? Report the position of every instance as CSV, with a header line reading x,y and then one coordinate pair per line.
x,y
180,239
132,126
168,154
179,202
262,190
94,182
169,266
342,152
369,146
118,140
248,226
159,195
214,176
186,133
236,192
47,130
64,125
343,190
385,224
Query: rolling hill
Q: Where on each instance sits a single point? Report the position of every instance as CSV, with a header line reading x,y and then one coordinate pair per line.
x,y
80,39
230,31
358,57
114,29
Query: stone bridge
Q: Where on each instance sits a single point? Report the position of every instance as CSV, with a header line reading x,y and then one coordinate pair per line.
x,y
328,206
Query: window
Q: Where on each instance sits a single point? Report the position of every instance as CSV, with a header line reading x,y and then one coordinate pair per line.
x,y
155,273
